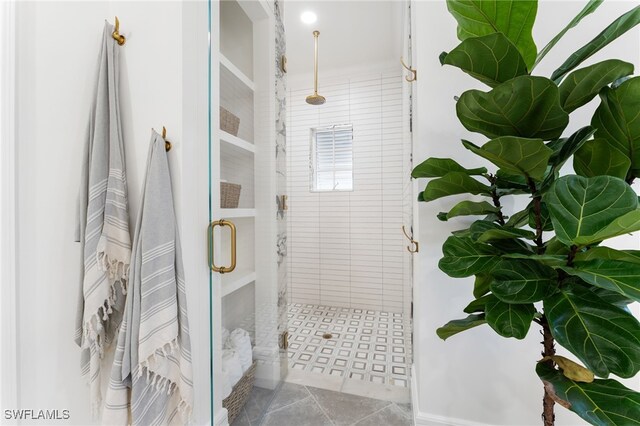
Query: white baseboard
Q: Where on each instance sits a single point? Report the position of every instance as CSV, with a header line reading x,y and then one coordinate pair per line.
x,y
221,418
426,419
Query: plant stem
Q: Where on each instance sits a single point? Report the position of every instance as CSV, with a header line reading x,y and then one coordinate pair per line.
x,y
548,415
496,202
496,198
537,211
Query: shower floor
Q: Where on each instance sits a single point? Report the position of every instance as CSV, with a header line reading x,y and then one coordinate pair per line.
x,y
369,345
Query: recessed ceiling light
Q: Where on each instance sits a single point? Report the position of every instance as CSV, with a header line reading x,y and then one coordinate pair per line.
x,y
308,17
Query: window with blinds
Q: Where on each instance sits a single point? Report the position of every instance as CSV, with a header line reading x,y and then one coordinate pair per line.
x,y
332,158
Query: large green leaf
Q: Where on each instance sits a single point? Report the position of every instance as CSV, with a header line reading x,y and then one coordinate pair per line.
x,y
598,158
522,281
601,402
479,227
524,106
510,320
518,219
479,305
522,156
504,233
607,253
469,208
464,257
481,284
612,297
604,337
513,18
563,149
555,247
609,34
545,219
589,8
581,208
553,260
512,245
584,84
438,167
492,59
616,119
616,275
625,224
453,183
457,326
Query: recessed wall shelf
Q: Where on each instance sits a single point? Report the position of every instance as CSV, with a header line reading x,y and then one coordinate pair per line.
x,y
236,71
237,142
235,213
236,280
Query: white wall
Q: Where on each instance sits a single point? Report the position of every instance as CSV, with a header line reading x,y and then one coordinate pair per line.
x,y
478,377
346,248
58,44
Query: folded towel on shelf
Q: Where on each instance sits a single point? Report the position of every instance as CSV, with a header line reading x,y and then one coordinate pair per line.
x,y
240,341
102,222
231,367
153,357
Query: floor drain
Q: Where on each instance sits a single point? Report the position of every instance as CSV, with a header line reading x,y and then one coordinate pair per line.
x,y
327,336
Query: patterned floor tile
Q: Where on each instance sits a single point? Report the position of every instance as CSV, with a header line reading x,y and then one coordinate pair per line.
x,y
364,344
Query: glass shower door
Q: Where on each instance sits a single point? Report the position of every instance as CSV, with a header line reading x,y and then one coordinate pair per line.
x,y
247,233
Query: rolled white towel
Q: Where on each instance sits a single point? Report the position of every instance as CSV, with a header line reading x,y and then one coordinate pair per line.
x,y
240,341
226,387
225,338
231,366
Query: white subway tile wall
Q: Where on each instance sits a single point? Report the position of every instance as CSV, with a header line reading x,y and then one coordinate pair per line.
x,y
347,249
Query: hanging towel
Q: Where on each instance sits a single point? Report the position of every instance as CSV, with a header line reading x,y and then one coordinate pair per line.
x,y
151,378
103,222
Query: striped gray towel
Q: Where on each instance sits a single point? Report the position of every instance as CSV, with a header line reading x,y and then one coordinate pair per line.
x,y
151,378
103,222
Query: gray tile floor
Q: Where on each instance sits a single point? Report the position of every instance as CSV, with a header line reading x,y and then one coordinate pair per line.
x,y
296,405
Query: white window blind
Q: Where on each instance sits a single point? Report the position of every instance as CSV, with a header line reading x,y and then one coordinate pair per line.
x,y
332,158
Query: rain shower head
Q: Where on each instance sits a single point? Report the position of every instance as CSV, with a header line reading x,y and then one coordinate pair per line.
x,y
315,99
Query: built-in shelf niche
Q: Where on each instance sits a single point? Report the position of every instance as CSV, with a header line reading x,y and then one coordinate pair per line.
x,y
237,98
237,166
238,309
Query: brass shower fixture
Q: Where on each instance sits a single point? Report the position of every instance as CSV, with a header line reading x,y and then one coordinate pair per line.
x,y
315,99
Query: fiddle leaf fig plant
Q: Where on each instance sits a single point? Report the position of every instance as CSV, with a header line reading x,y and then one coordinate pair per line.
x,y
548,264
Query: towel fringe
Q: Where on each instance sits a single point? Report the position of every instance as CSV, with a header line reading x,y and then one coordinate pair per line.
x,y
94,328
161,383
116,269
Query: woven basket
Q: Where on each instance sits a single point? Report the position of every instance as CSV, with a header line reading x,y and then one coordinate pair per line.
x,y
240,393
229,122
229,195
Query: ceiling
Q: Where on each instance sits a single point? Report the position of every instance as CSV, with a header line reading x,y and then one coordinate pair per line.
x,y
352,34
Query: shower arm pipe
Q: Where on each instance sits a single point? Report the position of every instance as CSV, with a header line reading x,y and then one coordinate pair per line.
x,y
316,33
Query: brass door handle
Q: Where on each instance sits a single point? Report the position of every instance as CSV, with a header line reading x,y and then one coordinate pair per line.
x,y
232,227
414,247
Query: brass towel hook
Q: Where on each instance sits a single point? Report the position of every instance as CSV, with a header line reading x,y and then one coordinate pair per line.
x,y
414,73
167,144
116,33
411,249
